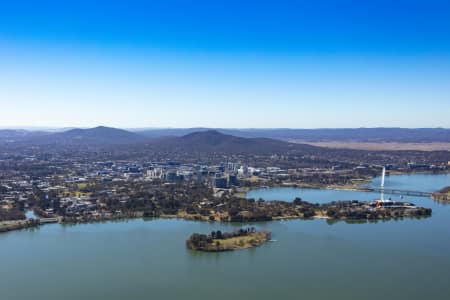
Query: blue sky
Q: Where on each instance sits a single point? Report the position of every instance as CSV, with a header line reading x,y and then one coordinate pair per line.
x,y
299,64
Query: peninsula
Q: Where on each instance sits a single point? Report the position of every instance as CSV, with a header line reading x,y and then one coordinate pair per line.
x,y
442,194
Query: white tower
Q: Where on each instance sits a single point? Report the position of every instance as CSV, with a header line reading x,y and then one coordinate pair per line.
x,y
383,175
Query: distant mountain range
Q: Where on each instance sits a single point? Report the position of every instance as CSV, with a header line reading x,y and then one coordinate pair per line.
x,y
93,136
401,135
213,141
201,142
110,136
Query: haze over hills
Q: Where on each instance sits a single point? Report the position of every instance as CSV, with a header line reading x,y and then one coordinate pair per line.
x,y
403,135
102,135
210,145
205,141
12,135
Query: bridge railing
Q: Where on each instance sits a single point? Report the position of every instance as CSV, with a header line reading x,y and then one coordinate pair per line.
x,y
401,192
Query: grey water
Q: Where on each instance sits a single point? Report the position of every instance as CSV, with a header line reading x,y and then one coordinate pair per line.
x,y
313,259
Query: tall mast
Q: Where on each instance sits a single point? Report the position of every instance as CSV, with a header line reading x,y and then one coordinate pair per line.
x,y
383,174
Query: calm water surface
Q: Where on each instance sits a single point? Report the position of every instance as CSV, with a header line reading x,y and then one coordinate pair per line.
x,y
137,259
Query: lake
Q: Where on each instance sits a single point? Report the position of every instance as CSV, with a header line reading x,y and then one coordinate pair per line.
x,y
147,259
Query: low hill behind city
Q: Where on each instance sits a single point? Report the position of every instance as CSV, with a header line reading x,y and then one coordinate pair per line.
x,y
213,141
93,136
352,138
401,135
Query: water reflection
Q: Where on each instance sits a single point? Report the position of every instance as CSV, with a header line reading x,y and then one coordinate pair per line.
x,y
137,258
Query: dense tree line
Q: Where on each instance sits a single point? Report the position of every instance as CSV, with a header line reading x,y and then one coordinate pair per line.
x,y
14,213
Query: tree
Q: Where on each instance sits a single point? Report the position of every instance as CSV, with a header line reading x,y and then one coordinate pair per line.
x,y
298,201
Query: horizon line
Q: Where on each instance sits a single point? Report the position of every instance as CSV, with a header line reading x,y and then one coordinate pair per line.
x,y
44,128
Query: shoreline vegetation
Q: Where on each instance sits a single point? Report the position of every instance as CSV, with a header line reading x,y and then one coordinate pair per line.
x,y
251,210
18,224
442,195
349,211
218,241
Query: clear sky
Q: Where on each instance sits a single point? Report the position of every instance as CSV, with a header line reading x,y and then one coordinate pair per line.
x,y
299,64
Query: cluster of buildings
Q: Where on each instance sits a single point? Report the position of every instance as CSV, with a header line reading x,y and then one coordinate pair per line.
x,y
17,186
224,175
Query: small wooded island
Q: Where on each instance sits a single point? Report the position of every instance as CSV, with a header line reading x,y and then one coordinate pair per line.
x,y
219,241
